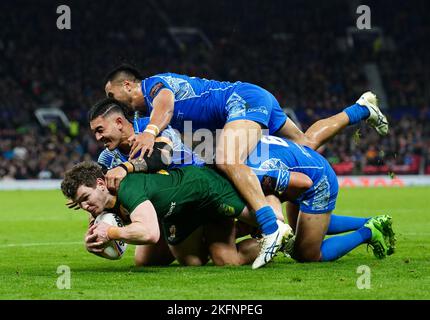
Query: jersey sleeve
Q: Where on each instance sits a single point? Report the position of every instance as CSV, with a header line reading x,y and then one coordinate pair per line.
x,y
152,86
132,192
273,180
139,124
106,158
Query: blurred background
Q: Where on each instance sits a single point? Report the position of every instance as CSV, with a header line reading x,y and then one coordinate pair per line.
x,y
309,54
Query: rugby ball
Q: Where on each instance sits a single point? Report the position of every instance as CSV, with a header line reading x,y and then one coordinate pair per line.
x,y
114,249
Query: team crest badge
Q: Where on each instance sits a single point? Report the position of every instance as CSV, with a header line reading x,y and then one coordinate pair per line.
x,y
172,231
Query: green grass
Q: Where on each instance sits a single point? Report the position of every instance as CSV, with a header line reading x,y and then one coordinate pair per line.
x,y
38,234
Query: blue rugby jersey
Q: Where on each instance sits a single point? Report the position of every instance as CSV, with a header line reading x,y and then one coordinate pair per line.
x,y
200,100
182,155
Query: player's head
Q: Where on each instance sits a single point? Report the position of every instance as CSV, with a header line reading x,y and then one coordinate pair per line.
x,y
85,185
124,84
110,122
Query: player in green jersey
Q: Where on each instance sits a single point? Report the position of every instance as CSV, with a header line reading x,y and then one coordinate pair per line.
x,y
179,202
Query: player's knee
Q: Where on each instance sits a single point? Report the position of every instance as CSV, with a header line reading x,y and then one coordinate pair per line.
x,y
192,261
305,183
306,255
142,260
224,258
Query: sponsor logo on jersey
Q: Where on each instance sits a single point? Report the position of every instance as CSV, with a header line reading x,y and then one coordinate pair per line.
x,y
227,210
163,172
156,88
172,207
172,231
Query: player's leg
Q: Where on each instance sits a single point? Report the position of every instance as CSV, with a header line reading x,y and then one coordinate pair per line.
x,y
310,233
293,210
192,251
366,108
372,232
153,254
220,237
243,228
338,224
221,240
236,141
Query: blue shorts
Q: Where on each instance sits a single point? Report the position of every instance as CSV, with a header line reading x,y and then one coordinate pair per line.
x,y
251,102
321,198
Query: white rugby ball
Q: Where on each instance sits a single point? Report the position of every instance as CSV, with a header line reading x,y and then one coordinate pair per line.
x,y
114,249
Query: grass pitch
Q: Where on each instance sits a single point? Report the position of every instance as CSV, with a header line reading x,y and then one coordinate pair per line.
x,y
38,234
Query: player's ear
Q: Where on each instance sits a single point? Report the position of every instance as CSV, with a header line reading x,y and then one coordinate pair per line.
x,y
119,121
101,183
127,85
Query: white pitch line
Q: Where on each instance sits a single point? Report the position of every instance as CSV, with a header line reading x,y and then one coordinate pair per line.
x,y
36,244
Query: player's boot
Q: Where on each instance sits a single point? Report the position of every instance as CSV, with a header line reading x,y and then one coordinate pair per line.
x,y
377,241
288,245
387,230
376,119
270,244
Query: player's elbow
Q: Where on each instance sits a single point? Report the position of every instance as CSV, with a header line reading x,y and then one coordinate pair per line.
x,y
301,181
306,183
151,237
144,234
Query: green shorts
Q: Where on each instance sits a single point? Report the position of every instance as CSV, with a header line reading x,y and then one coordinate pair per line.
x,y
222,201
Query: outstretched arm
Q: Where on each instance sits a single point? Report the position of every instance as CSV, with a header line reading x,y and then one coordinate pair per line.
x,y
163,106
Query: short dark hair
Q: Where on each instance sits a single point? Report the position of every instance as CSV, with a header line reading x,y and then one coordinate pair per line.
x,y
127,71
82,174
107,106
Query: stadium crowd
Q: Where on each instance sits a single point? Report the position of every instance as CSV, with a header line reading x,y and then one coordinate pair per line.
x,y
287,54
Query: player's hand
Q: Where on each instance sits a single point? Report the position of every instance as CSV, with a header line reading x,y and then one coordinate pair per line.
x,y
91,243
101,232
114,177
143,142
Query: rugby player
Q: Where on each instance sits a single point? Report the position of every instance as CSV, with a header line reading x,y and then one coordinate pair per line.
x,y
179,201
310,214
239,109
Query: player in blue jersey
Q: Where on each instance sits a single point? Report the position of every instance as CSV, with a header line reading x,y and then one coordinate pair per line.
x,y
310,214
241,110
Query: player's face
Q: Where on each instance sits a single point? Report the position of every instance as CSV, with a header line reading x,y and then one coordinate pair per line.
x,y
91,199
107,130
128,93
121,92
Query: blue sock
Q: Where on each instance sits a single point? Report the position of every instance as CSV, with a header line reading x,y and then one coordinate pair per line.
x,y
340,224
266,219
335,247
356,113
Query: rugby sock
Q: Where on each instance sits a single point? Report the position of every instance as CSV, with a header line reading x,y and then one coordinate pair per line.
x,y
337,246
356,113
266,219
340,224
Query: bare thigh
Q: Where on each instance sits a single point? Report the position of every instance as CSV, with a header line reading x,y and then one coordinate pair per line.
x,y
192,251
221,241
153,254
